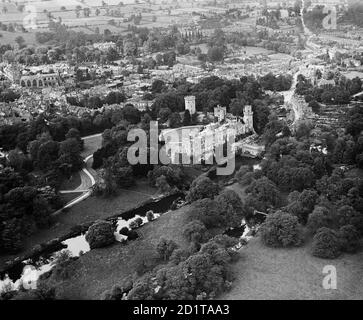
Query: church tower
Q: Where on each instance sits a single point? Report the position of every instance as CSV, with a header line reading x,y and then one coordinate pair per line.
x,y
248,118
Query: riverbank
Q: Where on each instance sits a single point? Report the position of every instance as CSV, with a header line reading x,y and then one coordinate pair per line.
x,y
87,211
100,269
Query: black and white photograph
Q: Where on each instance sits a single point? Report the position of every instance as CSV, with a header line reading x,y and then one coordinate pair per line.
x,y
200,151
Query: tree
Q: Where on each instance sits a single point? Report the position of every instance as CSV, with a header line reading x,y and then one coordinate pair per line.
x,y
165,248
315,106
241,175
123,175
187,118
11,236
326,244
195,231
170,100
264,194
236,107
281,229
164,114
41,211
348,216
274,129
215,54
162,184
16,159
303,204
74,133
319,218
131,114
20,41
207,211
350,238
233,211
175,120
69,156
173,175
157,86
202,187
100,234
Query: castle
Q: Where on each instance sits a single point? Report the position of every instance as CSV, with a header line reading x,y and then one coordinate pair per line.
x,y
184,140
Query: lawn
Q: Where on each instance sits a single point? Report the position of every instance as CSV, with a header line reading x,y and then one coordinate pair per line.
x,y
91,144
267,273
68,197
72,183
100,269
9,37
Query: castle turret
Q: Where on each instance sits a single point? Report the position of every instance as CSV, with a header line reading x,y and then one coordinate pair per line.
x,y
190,104
220,113
248,118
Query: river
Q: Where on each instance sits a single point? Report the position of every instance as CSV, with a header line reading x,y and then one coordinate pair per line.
x,y
26,273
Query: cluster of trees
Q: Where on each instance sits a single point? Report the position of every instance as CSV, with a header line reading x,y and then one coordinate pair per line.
x,y
28,199
314,18
61,158
25,206
112,158
340,93
278,42
116,173
323,199
353,14
8,95
210,92
202,270
35,148
190,274
50,54
276,83
96,101
19,134
351,146
224,211
166,177
330,211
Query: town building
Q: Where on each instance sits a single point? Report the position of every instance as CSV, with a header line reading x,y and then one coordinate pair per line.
x,y
40,80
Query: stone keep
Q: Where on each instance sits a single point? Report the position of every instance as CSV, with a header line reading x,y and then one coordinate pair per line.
x,y
248,118
220,113
190,104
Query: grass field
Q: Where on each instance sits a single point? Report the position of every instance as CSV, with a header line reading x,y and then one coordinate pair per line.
x,y
91,145
9,37
72,183
65,10
68,197
267,273
100,269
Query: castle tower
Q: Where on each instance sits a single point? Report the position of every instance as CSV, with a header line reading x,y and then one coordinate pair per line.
x,y
190,104
248,118
220,113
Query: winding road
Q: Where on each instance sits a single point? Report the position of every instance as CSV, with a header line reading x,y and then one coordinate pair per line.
x,y
87,174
